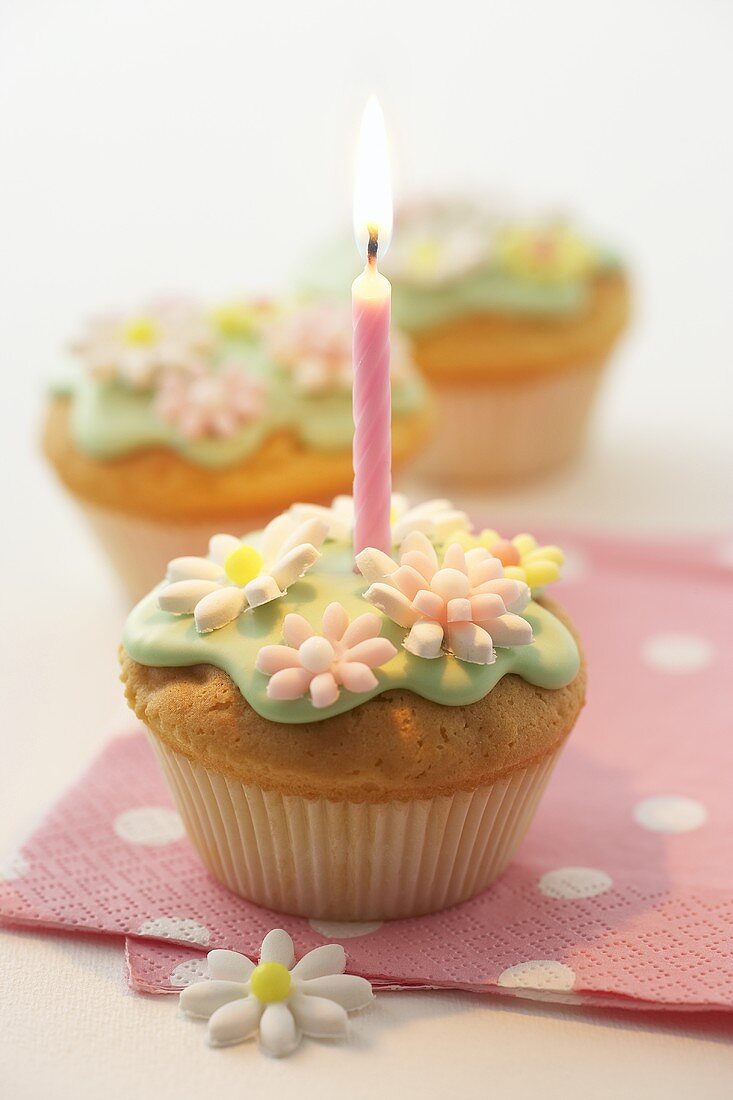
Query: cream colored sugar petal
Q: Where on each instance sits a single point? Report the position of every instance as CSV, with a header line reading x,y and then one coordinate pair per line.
x,y
311,531
203,998
511,630
329,958
425,640
221,546
471,643
375,565
278,1034
420,562
347,990
229,966
417,540
277,946
234,1022
319,1018
194,569
181,597
275,534
262,590
396,606
293,565
455,558
218,608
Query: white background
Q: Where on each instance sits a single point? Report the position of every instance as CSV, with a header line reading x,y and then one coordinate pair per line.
x,y
200,147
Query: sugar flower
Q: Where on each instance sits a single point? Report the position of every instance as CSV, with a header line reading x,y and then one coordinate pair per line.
x,y
522,557
548,253
343,655
236,575
314,342
210,403
438,519
243,318
439,242
279,998
132,348
463,605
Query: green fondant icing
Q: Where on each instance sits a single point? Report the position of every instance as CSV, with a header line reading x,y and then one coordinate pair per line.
x,y
159,639
109,419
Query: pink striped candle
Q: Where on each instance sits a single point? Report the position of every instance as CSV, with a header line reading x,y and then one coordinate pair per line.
x,y
371,298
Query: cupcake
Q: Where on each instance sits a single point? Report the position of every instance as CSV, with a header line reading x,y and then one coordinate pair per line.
x,y
356,746
181,420
512,323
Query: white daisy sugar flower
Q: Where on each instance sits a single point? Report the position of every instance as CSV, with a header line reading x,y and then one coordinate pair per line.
x,y
438,519
134,347
279,1000
463,605
237,575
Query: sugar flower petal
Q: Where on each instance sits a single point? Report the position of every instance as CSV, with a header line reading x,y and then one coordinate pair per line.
x,y
328,958
293,565
365,626
347,990
234,1022
289,683
318,1017
277,946
195,569
278,1033
471,643
221,546
394,604
324,690
356,677
181,597
203,998
274,658
425,640
335,622
218,608
229,965
296,629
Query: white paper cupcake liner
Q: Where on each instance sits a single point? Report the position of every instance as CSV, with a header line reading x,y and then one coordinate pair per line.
x,y
139,549
496,432
353,861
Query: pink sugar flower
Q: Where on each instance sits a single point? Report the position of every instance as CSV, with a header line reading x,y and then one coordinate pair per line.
x,y
210,403
342,656
462,606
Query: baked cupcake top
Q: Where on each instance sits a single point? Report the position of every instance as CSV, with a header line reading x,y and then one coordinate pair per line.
x,y
305,638
213,385
450,259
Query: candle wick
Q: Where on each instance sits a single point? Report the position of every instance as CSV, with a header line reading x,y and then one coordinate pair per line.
x,y
373,245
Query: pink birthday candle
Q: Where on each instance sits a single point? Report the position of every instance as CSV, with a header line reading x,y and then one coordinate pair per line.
x,y
371,296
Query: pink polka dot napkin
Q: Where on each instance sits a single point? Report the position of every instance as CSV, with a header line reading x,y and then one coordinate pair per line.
x,y
622,892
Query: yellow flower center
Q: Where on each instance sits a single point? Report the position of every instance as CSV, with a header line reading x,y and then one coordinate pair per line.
x,y
140,330
270,982
235,319
243,565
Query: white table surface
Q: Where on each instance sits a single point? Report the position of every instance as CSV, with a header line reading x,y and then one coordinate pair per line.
x,y
191,146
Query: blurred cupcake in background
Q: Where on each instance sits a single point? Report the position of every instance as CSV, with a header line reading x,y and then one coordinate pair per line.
x,y
512,323
180,421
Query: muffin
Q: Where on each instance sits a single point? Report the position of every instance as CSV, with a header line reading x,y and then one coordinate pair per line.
x,y
356,746
182,420
512,323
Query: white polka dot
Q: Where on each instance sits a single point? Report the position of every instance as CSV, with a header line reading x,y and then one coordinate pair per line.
x,y
538,974
149,825
13,866
670,813
567,883
187,973
677,652
342,930
176,928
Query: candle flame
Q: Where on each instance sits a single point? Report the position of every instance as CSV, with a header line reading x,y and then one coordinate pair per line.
x,y
373,186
